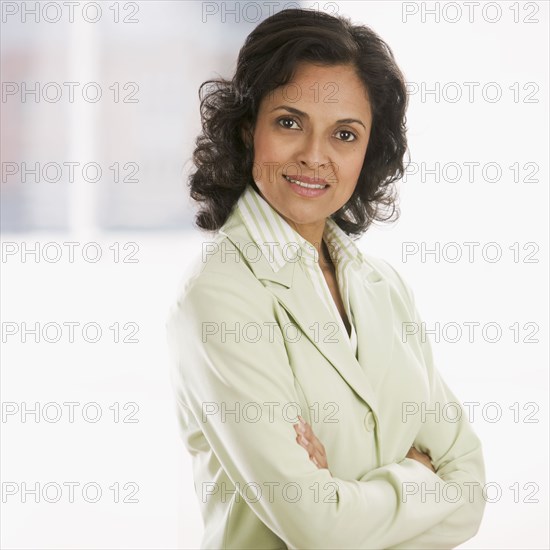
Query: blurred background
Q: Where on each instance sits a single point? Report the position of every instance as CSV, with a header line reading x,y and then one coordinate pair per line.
x,y
99,114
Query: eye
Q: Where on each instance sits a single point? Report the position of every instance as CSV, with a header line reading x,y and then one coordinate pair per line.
x,y
346,135
286,122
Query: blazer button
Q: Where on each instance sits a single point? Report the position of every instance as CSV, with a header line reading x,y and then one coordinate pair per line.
x,y
369,421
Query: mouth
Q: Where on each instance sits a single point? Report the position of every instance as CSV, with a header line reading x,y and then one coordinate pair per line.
x,y
307,183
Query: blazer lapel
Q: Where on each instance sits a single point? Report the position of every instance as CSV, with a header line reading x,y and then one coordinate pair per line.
x,y
374,322
308,312
372,314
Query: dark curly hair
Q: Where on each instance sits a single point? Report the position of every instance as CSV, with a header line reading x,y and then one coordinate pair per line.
x,y
223,157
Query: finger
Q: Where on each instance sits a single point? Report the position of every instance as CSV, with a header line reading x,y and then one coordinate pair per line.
x,y
312,451
319,449
307,431
298,431
319,461
305,443
314,455
302,425
309,434
312,445
413,452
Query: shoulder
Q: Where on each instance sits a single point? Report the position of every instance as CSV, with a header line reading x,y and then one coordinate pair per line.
x,y
218,278
379,269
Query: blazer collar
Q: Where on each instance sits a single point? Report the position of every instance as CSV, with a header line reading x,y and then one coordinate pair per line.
x,y
280,243
372,312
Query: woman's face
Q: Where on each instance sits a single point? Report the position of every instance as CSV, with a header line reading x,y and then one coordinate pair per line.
x,y
314,130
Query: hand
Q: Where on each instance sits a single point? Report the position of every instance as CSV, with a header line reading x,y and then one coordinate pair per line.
x,y
423,458
308,440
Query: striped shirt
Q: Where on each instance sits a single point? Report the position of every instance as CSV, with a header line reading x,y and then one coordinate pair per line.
x,y
266,225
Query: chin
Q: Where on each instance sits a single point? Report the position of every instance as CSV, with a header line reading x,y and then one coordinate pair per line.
x,y
305,218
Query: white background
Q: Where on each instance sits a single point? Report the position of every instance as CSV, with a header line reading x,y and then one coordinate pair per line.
x,y
169,52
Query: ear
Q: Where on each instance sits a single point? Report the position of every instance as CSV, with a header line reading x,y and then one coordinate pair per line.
x,y
246,134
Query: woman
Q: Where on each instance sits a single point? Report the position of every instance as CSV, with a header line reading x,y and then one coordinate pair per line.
x,y
306,394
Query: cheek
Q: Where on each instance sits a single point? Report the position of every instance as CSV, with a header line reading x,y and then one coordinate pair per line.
x,y
267,157
351,167
264,141
271,154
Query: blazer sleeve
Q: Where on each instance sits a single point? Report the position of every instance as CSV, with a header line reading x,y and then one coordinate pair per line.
x,y
240,366
455,450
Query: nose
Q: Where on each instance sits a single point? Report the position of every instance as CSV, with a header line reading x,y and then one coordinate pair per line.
x,y
312,154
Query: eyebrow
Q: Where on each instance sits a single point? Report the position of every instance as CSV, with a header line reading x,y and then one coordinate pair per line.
x,y
305,115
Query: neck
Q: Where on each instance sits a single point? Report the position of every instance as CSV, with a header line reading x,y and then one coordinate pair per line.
x,y
313,233
325,261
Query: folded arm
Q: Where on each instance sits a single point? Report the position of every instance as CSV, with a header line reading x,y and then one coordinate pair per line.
x,y
217,376
456,452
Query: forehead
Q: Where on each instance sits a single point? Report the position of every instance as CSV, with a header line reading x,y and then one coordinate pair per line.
x,y
330,88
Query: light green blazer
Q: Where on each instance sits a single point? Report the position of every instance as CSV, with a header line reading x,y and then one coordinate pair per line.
x,y
251,348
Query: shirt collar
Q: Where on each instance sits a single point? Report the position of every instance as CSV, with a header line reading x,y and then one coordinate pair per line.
x,y
280,243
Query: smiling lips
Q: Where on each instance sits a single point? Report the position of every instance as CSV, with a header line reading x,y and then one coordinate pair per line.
x,y
307,183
